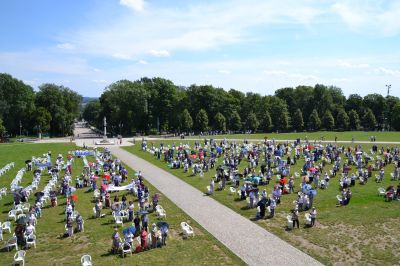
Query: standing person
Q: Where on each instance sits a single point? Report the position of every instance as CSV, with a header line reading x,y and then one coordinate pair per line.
x,y
130,210
116,240
154,235
164,234
295,218
79,223
272,206
348,196
98,206
143,239
70,226
313,215
211,186
136,222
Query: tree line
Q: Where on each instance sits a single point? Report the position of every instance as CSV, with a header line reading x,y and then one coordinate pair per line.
x,y
52,109
158,105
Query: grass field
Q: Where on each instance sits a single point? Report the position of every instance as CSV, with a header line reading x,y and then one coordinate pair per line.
x,y
328,135
53,249
362,233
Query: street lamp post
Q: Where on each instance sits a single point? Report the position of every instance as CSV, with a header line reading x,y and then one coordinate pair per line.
x,y
20,128
388,86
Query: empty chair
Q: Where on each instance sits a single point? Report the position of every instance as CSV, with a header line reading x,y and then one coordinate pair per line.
x,y
19,257
307,217
86,260
30,241
119,220
187,230
12,215
126,248
1,233
26,206
18,209
381,191
162,213
6,226
232,190
296,174
11,242
94,212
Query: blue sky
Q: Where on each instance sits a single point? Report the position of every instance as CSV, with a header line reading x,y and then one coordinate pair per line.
x,y
252,45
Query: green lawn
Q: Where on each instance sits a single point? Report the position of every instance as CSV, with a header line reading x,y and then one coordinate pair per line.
x,y
364,232
328,135
53,249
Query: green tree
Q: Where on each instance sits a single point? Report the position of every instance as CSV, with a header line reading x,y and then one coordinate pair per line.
x,y
43,119
369,120
354,120
342,120
328,122
219,122
297,121
202,120
235,122
252,122
2,128
396,116
315,122
266,122
91,112
186,121
283,121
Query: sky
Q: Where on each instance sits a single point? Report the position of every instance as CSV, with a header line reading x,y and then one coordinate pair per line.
x,y
252,46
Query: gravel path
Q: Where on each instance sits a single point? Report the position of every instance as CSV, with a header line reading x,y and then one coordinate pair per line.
x,y
253,244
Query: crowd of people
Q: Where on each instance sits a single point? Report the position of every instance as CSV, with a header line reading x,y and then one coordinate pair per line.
x,y
249,166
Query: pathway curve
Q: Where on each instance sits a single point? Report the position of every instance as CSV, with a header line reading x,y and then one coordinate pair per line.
x,y
253,244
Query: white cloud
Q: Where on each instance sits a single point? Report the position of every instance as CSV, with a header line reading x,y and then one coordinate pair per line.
x,y
387,71
66,46
159,53
101,81
370,17
284,74
348,64
136,5
224,71
122,56
143,62
96,70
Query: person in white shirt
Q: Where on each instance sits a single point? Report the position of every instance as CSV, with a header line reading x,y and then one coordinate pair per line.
x,y
313,215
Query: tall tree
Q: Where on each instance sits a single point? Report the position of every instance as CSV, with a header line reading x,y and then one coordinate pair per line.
x,y
297,121
186,121
369,120
235,122
220,122
2,128
328,122
396,116
43,119
252,122
266,122
315,122
342,120
91,112
202,120
283,121
354,120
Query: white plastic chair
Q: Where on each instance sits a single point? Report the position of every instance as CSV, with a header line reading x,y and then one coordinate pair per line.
x,y
232,190
289,222
30,241
308,219
381,191
11,242
1,233
26,206
94,212
19,257
187,230
6,226
126,248
12,215
162,213
119,220
86,260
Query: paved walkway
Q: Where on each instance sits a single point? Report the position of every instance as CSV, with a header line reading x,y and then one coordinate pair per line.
x,y
253,244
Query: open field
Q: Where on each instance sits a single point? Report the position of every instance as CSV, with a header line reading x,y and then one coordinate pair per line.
x,y
328,135
53,249
362,233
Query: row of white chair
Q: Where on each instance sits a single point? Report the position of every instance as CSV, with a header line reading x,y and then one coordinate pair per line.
x,y
6,168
